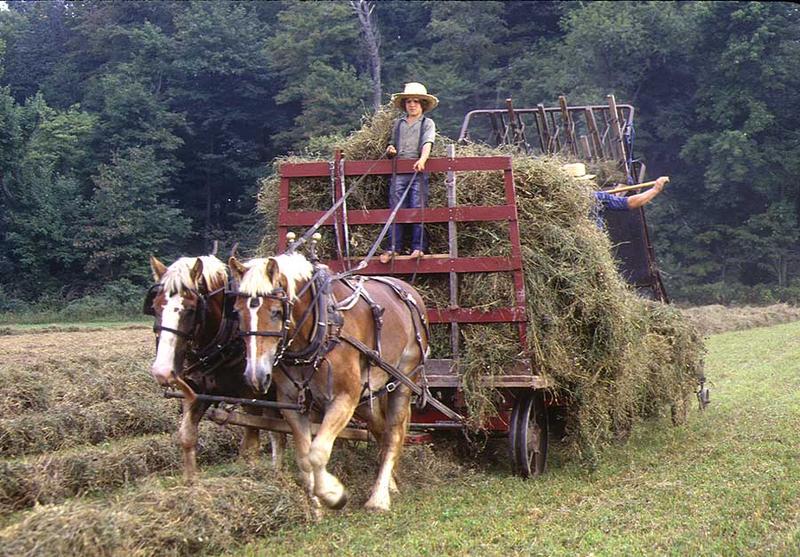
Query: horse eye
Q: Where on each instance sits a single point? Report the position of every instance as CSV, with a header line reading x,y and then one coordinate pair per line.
x,y
276,314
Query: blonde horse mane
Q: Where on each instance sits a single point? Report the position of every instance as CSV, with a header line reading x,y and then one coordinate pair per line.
x,y
178,276
294,267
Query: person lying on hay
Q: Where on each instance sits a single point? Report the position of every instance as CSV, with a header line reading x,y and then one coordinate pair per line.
x,y
605,200
412,138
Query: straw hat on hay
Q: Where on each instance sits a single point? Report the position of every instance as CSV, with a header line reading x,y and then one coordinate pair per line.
x,y
578,171
417,90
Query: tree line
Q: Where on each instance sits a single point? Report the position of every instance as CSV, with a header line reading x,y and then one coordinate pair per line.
x,y
131,127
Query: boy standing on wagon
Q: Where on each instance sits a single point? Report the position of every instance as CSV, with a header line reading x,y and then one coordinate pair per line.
x,y
412,138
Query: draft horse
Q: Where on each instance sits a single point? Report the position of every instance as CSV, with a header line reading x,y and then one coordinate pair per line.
x,y
197,349
318,338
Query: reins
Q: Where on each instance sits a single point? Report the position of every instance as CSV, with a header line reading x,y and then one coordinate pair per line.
x,y
341,201
389,222
212,355
304,238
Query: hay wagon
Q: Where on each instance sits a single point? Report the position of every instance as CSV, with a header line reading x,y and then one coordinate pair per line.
x,y
524,394
522,413
600,133
525,401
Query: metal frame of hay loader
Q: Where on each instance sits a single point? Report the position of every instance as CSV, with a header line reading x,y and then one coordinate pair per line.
x,y
592,133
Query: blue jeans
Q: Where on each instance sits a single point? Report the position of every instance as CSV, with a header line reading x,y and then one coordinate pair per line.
x,y
417,198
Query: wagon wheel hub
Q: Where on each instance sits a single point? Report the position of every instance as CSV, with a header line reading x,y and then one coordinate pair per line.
x,y
534,438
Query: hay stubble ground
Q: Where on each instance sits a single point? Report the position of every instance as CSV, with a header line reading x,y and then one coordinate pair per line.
x,y
728,482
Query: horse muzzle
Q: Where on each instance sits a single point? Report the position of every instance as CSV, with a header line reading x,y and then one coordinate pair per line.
x,y
259,376
164,376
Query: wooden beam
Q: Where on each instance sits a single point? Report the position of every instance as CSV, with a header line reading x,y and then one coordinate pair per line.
x,y
591,123
547,148
219,416
616,131
452,235
566,120
587,149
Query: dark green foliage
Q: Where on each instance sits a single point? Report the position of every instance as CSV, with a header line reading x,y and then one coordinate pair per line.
x,y
127,219
212,92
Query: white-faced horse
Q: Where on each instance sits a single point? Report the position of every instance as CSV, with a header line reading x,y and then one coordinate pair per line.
x,y
197,350
320,338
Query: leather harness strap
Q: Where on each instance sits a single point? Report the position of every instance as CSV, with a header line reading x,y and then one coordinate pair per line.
x,y
375,358
224,348
329,322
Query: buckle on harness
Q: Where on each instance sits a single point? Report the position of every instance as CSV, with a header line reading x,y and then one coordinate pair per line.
x,y
391,386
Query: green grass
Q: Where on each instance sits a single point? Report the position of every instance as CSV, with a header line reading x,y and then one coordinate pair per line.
x,y
727,483
56,326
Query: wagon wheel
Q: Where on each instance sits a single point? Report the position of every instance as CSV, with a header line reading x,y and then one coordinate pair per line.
x,y
527,435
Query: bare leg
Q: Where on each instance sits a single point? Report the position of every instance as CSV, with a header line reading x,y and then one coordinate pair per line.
x,y
397,418
193,411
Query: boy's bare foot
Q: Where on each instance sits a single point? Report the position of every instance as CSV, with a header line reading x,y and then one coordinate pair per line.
x,y
387,256
417,253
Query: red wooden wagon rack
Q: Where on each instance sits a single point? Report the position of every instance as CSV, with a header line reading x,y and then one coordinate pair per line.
x,y
523,415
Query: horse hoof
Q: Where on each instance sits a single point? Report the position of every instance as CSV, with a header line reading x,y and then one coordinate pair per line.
x,y
338,505
375,508
378,502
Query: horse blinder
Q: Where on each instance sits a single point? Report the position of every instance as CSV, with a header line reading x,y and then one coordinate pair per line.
x,y
229,305
149,298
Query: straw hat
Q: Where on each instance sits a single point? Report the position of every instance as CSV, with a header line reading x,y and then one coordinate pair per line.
x,y
577,170
416,90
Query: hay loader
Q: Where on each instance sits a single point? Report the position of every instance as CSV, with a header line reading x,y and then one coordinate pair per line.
x,y
594,134
527,403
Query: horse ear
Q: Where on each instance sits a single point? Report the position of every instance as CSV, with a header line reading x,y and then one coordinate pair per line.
x,y
236,268
158,268
273,272
196,273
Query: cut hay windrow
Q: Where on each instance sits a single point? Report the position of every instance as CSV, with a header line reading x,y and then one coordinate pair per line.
x,y
54,477
69,425
210,517
41,371
42,386
614,357
215,515
714,319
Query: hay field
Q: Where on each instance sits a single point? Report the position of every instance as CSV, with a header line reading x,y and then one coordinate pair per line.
x,y
726,483
715,319
89,464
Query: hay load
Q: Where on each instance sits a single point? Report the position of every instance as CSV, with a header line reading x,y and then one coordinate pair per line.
x,y
614,356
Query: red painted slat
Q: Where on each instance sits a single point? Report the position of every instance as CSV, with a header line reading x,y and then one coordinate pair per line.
x,y
404,166
380,216
466,315
305,170
435,265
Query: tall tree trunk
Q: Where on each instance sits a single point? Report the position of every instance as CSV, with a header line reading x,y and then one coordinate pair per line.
x,y
372,42
207,232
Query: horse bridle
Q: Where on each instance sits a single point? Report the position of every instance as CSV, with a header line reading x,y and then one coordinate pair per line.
x,y
310,354
279,295
200,309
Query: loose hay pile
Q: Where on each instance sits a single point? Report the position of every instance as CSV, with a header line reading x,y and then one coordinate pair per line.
x,y
54,477
614,356
209,517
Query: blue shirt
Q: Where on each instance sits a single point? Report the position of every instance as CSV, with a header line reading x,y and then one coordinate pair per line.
x,y
608,201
